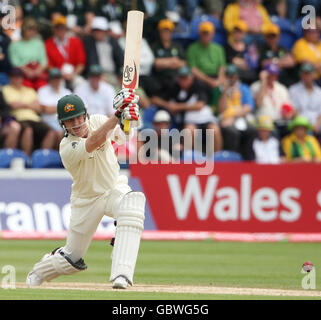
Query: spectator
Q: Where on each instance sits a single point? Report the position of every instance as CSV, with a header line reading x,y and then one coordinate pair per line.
x,y
205,58
36,9
187,101
308,49
11,135
299,146
213,7
266,148
41,11
157,151
252,13
29,54
104,50
5,65
113,11
66,52
244,57
188,6
77,12
270,95
276,7
169,57
154,11
48,97
272,52
96,93
306,97
26,108
235,105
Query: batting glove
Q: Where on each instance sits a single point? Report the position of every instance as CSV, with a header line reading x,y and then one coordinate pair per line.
x,y
131,112
123,98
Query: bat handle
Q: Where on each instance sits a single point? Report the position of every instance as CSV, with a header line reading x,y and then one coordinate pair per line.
x,y
126,126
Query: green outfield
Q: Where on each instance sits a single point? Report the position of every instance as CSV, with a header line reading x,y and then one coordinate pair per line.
x,y
168,264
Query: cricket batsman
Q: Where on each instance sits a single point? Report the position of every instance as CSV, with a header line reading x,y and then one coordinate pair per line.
x,y
97,190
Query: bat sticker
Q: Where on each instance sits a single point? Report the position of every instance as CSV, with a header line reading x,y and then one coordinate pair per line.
x,y
127,81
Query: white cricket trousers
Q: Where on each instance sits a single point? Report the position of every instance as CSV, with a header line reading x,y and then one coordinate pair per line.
x,y
86,215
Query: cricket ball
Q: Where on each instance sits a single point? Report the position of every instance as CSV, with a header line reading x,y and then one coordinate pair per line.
x,y
307,266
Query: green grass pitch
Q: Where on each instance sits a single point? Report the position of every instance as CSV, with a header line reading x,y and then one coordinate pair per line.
x,y
199,263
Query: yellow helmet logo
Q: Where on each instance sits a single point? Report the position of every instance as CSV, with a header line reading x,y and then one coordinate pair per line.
x,y
69,107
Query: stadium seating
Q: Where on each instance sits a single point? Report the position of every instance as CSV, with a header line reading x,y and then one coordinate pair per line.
x,y
227,156
193,155
7,155
46,158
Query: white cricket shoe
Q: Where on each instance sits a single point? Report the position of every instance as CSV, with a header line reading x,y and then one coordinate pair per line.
x,y
33,280
120,283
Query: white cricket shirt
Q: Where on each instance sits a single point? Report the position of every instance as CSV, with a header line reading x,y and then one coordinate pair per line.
x,y
93,173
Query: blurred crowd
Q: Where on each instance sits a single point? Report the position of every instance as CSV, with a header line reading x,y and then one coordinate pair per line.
x,y
245,68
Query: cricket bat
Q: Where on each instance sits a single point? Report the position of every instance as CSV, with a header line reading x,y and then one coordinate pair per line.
x,y
134,33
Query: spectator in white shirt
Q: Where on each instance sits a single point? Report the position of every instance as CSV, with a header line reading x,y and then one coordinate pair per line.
x,y
266,148
306,97
103,49
96,93
48,96
269,94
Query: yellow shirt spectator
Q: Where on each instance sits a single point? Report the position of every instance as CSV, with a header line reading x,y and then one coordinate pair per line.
x,y
234,12
307,150
299,145
307,51
24,95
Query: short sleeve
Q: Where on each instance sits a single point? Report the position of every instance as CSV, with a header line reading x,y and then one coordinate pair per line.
x,y
73,151
247,97
300,51
222,56
191,56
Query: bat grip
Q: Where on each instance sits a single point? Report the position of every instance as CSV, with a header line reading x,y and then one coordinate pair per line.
x,y
126,126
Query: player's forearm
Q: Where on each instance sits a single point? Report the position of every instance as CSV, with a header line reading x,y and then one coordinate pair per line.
x,y
99,136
